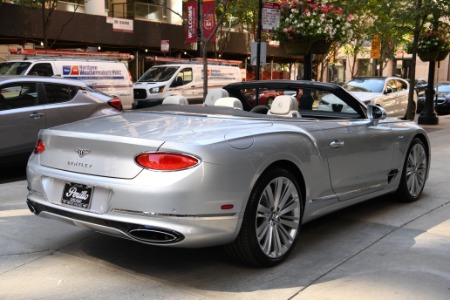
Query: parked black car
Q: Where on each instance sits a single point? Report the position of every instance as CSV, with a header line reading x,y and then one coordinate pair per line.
x,y
442,105
441,99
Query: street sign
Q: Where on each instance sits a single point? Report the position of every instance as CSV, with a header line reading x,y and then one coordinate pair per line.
x,y
376,47
254,53
270,16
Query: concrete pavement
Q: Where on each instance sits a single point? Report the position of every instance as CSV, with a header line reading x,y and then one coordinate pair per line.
x,y
375,250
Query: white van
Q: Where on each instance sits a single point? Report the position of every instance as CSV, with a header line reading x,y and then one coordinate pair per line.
x,y
166,80
110,77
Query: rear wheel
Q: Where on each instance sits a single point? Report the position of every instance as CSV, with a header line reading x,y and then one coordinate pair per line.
x,y
271,220
414,173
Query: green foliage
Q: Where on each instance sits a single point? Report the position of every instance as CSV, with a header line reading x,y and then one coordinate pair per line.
x,y
312,21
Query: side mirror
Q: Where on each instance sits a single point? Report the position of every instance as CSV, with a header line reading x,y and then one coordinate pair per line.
x,y
376,113
388,90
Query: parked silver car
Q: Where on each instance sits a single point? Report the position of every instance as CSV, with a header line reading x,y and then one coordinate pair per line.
x,y
196,176
391,93
31,103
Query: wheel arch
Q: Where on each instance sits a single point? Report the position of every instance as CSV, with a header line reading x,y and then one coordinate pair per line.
x,y
292,168
426,142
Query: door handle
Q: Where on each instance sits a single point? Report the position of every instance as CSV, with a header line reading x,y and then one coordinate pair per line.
x,y
36,115
336,144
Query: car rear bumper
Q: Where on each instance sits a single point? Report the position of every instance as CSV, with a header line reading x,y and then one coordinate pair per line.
x,y
174,231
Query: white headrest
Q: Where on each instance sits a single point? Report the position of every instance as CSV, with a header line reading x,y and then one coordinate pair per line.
x,y
176,99
284,105
213,95
229,102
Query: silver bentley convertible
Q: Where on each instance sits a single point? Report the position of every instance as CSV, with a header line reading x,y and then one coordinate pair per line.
x,y
229,172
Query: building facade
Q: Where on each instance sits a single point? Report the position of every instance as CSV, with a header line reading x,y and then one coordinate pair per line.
x,y
153,31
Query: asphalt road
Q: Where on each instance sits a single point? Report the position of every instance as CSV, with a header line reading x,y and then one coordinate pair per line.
x,y
375,250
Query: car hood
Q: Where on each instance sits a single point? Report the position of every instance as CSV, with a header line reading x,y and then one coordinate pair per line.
x,y
366,96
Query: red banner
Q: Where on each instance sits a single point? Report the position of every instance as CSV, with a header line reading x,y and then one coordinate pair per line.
x,y
191,24
209,20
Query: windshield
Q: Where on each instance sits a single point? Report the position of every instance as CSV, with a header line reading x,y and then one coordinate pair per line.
x,y
443,88
158,74
14,67
373,85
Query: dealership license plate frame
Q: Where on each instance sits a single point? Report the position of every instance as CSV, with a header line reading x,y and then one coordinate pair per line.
x,y
83,197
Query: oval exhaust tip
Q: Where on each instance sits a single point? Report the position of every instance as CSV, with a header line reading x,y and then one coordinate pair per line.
x,y
31,208
155,235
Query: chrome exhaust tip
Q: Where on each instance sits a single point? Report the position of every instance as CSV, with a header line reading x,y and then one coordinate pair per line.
x,y
31,208
155,235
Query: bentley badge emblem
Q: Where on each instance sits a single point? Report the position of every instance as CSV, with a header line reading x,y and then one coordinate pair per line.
x,y
82,152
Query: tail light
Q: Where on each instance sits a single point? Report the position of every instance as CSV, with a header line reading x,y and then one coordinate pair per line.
x,y
116,103
166,161
40,147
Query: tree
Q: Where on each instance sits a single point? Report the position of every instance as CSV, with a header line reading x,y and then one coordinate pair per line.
x,y
47,8
205,40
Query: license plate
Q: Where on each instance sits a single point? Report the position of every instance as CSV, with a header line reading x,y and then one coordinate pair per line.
x,y
78,195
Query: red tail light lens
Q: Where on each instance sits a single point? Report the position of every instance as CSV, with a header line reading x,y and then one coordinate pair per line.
x,y
166,161
40,147
116,103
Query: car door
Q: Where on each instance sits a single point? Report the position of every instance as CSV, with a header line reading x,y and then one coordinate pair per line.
x,y
389,99
359,152
67,103
401,96
21,117
184,85
359,156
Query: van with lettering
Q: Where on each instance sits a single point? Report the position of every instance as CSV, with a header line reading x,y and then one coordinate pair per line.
x,y
110,77
185,79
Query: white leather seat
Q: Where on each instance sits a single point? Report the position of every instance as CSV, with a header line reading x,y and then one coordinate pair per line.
x,y
229,102
213,95
284,105
176,99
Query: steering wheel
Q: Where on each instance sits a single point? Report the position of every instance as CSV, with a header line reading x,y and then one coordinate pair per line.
x,y
260,109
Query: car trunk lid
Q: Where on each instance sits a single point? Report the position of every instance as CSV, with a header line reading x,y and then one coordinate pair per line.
x,y
107,146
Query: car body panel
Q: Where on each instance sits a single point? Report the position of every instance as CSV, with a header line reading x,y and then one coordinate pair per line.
x,y
22,116
339,158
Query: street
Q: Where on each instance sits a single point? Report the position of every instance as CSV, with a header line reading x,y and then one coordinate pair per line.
x,y
376,250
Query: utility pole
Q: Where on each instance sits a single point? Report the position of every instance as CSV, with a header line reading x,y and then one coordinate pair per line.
x,y
258,40
428,115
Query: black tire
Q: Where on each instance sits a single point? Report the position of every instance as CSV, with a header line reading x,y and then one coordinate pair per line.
x,y
414,173
260,109
270,228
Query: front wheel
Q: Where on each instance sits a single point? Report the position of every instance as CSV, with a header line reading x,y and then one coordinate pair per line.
x,y
414,173
271,221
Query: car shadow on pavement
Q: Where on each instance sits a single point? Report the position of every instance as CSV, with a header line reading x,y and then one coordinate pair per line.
x,y
324,245
12,172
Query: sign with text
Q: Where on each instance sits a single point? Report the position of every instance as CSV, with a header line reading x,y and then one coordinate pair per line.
x,y
191,22
376,47
209,20
121,25
270,17
165,46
